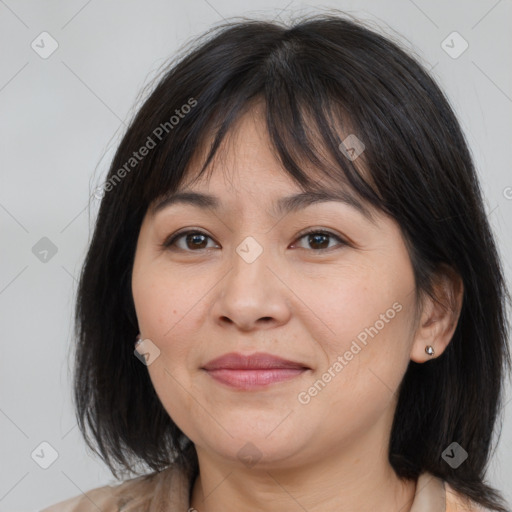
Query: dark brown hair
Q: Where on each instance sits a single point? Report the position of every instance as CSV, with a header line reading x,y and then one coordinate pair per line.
x,y
319,77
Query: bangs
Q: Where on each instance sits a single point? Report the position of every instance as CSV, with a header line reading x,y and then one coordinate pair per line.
x,y
308,149
310,121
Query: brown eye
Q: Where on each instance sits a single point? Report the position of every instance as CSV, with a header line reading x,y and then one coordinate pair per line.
x,y
319,240
194,240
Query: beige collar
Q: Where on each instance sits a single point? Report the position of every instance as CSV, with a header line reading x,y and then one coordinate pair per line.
x,y
430,494
170,488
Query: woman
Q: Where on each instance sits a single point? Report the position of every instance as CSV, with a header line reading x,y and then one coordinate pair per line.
x,y
293,236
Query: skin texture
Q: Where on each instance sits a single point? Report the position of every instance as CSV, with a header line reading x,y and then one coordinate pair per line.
x,y
296,302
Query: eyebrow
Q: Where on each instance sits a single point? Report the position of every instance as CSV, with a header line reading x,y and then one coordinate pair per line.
x,y
283,205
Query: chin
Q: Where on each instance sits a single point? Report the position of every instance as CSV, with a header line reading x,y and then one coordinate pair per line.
x,y
258,450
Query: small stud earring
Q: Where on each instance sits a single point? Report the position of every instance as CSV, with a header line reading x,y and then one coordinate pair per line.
x,y
429,349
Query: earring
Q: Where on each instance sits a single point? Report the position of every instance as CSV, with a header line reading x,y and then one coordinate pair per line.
x,y
429,349
137,339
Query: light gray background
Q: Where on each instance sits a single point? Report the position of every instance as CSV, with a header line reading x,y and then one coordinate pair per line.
x,y
61,118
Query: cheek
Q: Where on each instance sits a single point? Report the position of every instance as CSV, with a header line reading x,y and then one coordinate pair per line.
x,y
362,322
171,306
161,302
355,302
365,366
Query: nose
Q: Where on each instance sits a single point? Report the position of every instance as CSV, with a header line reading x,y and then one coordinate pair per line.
x,y
252,295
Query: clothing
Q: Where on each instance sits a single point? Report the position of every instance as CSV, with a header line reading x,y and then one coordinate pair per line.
x,y
170,490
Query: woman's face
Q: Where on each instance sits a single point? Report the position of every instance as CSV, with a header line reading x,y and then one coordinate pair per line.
x,y
251,281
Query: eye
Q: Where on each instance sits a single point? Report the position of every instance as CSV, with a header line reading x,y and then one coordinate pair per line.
x,y
317,238
195,240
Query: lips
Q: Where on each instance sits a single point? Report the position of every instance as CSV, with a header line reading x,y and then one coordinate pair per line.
x,y
252,372
258,361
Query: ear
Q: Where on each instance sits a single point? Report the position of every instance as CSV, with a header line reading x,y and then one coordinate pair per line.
x,y
439,317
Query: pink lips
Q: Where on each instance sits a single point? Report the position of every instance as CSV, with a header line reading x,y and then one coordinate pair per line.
x,y
252,371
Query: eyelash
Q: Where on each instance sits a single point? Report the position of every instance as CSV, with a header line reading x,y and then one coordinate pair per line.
x,y
172,240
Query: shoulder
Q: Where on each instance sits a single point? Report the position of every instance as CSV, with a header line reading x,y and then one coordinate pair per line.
x,y
107,498
102,498
436,494
135,494
457,502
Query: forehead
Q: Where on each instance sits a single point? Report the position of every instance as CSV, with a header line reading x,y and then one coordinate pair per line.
x,y
246,160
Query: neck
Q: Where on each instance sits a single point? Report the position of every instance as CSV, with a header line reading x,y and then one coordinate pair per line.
x,y
342,482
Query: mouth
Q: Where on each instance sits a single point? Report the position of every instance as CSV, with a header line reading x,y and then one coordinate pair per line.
x,y
255,371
